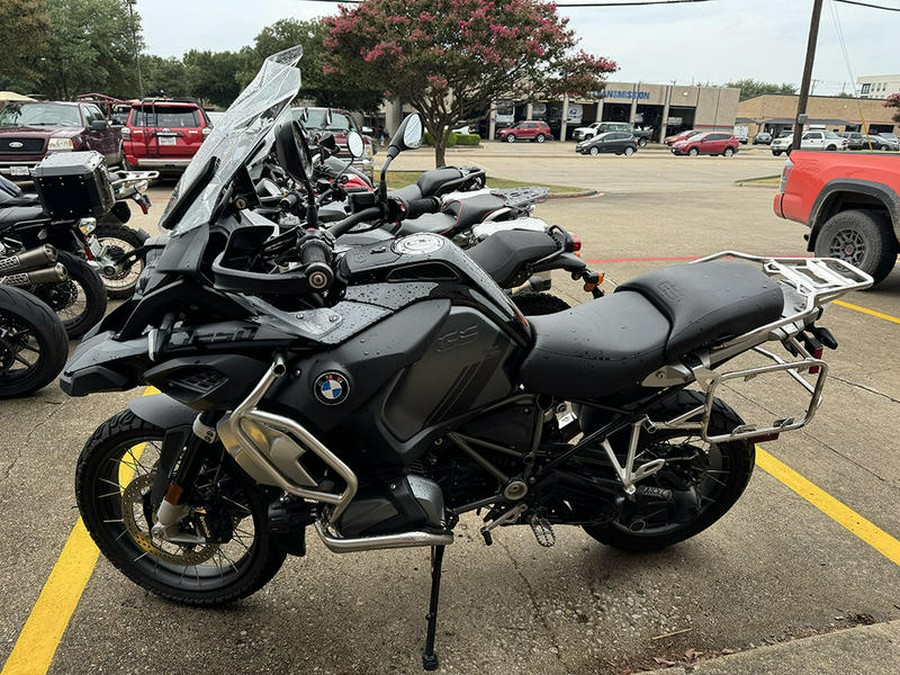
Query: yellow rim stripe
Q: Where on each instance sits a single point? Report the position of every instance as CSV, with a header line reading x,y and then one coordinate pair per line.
x,y
874,536
870,312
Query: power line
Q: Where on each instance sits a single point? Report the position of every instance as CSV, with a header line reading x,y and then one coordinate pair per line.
x,y
869,5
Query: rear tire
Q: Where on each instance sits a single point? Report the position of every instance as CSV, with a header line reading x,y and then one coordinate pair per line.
x,y
539,304
862,238
539,138
718,475
80,300
629,151
123,453
33,343
728,152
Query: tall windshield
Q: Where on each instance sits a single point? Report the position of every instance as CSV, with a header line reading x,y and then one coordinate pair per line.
x,y
243,132
39,115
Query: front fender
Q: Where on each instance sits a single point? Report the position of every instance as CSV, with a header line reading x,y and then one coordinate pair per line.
x,y
162,411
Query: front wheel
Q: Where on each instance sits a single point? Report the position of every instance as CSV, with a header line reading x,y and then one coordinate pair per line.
x,y
226,551
511,138
862,238
33,343
642,142
594,151
120,241
698,485
777,153
80,300
693,152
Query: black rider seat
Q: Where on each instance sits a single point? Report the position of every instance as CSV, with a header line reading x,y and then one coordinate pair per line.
x,y
471,211
12,215
613,343
504,254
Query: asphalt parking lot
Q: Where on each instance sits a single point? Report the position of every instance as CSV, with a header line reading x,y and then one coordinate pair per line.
x,y
780,565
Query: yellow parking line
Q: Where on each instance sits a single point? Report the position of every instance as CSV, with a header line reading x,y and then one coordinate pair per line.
x,y
864,310
43,630
874,536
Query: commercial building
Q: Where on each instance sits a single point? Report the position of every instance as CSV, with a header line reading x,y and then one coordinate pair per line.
x,y
663,108
878,86
775,113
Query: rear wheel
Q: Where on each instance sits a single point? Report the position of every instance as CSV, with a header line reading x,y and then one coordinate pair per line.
x,y
120,241
629,151
594,150
862,238
33,343
539,304
228,552
699,484
539,138
80,300
728,152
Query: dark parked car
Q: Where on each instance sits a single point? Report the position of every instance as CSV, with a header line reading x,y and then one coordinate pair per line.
x,y
762,138
30,130
164,134
618,142
339,123
526,131
708,143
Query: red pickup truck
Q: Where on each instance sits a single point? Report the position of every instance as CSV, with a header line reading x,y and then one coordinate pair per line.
x,y
851,203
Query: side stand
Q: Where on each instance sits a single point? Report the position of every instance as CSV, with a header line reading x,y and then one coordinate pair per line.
x,y
429,658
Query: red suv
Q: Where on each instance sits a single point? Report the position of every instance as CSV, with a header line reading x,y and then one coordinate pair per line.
x,y
707,143
164,134
525,131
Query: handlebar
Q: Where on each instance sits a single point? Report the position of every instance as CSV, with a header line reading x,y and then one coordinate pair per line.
x,y
419,207
315,256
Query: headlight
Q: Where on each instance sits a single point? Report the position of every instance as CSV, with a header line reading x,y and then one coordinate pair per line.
x,y
60,144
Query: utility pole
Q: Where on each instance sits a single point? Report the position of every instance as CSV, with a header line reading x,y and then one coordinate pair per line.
x,y
137,54
800,120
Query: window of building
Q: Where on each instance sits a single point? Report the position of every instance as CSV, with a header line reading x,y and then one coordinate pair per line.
x,y
865,88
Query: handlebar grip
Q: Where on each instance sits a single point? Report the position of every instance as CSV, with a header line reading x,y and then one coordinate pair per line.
x,y
289,202
315,256
419,207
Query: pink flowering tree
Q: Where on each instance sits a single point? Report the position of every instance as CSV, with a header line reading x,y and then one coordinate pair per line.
x,y
448,57
893,101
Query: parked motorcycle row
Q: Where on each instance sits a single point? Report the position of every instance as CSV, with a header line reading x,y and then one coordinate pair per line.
x,y
69,252
366,363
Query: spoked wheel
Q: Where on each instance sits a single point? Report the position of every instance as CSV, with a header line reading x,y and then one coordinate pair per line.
x,y
33,343
698,485
120,241
80,300
225,550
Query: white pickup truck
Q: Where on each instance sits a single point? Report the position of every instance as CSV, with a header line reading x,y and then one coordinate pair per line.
x,y
811,140
583,133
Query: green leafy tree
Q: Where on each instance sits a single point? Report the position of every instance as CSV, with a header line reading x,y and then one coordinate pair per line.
x,y
751,88
213,76
325,89
446,57
167,76
893,101
23,34
91,47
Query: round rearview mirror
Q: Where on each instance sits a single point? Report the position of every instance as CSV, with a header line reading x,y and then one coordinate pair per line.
x,y
355,145
412,133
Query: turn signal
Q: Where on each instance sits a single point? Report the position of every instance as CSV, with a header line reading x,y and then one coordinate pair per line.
x,y
816,353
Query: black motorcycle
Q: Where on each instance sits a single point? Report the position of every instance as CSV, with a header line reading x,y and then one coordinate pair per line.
x,y
380,393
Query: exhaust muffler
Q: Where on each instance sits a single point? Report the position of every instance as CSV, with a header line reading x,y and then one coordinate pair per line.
x,y
49,275
28,260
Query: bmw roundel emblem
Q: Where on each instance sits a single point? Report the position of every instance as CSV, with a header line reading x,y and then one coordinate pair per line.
x,y
332,388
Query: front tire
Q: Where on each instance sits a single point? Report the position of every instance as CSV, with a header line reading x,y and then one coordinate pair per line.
x,y
33,343
693,152
120,241
80,300
113,483
715,475
642,142
511,138
862,238
777,153
594,150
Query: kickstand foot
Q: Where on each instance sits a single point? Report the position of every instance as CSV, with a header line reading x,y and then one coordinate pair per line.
x,y
429,658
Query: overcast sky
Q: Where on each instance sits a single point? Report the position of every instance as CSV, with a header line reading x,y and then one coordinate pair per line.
x,y
712,41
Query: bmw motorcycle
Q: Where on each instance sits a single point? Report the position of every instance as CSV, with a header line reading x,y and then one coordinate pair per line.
x,y
378,394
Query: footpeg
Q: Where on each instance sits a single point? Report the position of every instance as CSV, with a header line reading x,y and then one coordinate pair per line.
x,y
542,531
